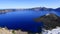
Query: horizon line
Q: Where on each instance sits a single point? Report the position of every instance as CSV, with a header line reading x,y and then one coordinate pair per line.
x,y
30,8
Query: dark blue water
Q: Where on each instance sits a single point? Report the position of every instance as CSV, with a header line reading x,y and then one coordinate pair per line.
x,y
23,20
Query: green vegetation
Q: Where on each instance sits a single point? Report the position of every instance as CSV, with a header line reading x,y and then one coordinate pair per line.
x,y
13,32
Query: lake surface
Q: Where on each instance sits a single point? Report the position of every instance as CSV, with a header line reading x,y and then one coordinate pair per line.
x,y
23,20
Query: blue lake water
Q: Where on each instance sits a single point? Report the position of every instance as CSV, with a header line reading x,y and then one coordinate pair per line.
x,y
23,20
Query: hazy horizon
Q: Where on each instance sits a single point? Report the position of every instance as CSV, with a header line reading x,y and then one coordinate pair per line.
x,y
20,4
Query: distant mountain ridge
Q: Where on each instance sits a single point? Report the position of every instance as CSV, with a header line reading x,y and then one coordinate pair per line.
x,y
2,11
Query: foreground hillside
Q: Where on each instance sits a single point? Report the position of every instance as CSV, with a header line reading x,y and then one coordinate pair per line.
x,y
6,31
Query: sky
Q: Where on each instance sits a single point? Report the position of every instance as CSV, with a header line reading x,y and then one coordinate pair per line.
x,y
5,4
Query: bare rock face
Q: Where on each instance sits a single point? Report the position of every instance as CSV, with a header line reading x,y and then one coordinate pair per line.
x,y
5,31
50,21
